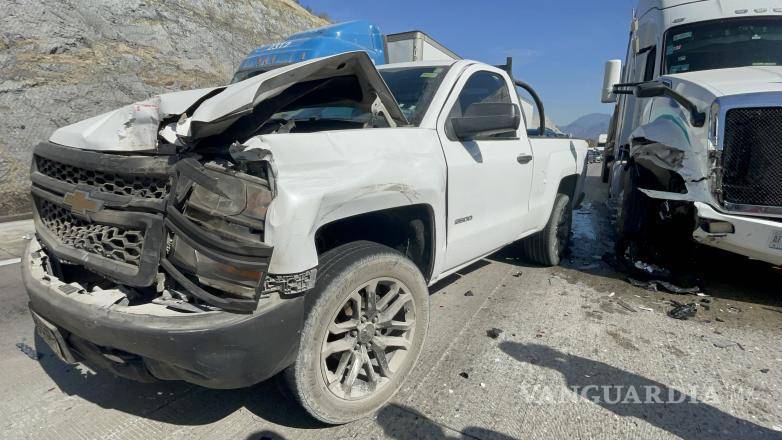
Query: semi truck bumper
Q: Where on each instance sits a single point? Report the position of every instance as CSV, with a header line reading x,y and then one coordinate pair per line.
x,y
756,238
214,349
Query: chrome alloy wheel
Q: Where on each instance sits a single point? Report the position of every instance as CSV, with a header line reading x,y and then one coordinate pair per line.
x,y
368,339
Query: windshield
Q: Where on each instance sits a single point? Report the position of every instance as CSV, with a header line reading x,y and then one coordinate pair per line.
x,y
722,44
414,88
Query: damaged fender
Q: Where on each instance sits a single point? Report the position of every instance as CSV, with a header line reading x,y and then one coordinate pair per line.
x,y
328,176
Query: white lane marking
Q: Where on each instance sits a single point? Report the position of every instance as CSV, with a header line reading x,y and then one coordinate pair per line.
x,y
10,262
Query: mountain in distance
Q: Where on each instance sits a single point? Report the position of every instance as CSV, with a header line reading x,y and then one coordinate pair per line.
x,y
588,127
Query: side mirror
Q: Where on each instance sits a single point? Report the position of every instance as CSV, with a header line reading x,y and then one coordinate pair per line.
x,y
486,119
611,77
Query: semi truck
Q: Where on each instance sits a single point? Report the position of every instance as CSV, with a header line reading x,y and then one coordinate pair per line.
x,y
694,144
289,222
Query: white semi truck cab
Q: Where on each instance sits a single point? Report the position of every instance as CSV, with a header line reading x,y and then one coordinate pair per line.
x,y
695,141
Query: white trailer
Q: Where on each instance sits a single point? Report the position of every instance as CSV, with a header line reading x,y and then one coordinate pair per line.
x,y
411,46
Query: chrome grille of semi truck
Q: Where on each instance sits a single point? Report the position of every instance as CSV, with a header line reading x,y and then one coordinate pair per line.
x,y
115,183
112,242
752,157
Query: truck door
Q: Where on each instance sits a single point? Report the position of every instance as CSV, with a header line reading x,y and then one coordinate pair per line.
x,y
489,178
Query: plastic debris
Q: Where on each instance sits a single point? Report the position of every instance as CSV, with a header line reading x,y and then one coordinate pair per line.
x,y
683,311
657,285
494,333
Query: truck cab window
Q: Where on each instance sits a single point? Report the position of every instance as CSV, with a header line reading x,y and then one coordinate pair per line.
x,y
722,44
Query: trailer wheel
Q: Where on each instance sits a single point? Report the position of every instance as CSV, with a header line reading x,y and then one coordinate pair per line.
x,y
549,245
366,326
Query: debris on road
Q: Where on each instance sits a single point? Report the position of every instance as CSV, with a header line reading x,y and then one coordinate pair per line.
x,y
29,351
517,274
765,370
683,311
494,333
656,285
464,374
627,306
469,293
726,343
646,309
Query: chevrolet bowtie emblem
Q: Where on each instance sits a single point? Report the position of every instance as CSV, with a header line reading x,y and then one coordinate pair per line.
x,y
81,203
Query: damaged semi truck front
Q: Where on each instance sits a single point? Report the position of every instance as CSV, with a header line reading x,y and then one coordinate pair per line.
x,y
694,149
291,221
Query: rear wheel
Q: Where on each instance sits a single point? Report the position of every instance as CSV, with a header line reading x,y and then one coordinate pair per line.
x,y
363,334
549,245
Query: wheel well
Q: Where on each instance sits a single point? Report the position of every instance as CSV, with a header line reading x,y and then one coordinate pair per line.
x,y
654,177
408,229
568,186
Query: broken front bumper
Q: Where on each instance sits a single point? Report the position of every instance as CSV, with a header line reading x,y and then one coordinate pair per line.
x,y
212,349
756,238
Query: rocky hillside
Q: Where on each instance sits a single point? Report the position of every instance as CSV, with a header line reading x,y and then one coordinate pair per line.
x,y
64,60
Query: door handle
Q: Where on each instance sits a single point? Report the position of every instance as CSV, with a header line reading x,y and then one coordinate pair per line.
x,y
524,158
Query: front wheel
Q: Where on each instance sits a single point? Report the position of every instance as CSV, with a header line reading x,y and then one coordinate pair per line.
x,y
549,245
364,332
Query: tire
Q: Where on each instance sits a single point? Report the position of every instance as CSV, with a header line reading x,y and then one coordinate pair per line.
x,y
320,381
549,245
633,217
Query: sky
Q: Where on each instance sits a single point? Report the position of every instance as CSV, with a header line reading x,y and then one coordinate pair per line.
x,y
558,46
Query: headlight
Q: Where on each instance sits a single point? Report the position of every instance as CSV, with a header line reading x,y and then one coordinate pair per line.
x,y
219,228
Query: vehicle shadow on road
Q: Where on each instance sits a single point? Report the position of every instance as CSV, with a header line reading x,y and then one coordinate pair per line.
x,y
678,413
174,402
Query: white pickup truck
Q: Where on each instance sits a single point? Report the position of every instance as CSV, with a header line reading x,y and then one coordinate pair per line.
x,y
291,221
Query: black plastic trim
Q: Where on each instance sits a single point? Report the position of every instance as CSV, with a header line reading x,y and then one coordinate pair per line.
x,y
227,304
201,239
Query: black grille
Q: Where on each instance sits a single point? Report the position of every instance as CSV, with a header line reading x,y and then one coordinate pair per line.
x,y
136,186
112,242
752,157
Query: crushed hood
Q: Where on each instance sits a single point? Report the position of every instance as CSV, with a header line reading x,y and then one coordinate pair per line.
x,y
735,81
207,112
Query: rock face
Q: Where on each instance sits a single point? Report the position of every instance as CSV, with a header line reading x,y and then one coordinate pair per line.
x,y
62,61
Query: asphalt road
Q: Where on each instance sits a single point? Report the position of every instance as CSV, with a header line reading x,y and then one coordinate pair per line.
x,y
582,354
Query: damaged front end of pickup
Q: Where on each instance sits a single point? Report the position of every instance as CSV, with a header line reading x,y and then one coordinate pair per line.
x,y
151,257
165,199
167,229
